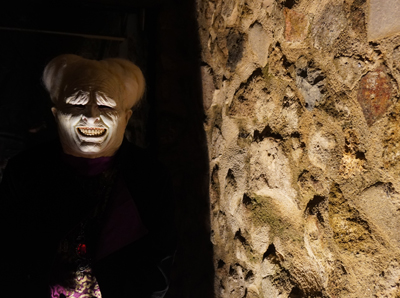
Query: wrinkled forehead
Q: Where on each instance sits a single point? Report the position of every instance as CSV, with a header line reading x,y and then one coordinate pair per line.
x,y
82,97
92,84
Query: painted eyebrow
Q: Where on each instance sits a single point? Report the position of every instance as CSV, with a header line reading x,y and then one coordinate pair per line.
x,y
104,100
78,98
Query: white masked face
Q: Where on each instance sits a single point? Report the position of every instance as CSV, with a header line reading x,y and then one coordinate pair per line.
x,y
90,123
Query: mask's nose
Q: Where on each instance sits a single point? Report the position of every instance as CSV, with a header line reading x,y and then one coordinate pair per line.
x,y
91,113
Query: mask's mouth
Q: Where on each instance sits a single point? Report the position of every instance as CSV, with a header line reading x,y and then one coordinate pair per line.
x,y
92,131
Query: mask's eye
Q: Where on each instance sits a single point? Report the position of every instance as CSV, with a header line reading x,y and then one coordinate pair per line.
x,y
78,107
105,107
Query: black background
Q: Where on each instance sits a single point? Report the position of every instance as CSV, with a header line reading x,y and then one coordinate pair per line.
x,y
161,37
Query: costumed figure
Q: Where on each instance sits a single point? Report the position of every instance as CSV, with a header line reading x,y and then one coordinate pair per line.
x,y
89,215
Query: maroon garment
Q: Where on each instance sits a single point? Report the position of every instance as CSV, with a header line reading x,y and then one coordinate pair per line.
x,y
88,166
43,199
122,224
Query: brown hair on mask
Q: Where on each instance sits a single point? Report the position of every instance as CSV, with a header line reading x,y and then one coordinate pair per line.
x,y
117,76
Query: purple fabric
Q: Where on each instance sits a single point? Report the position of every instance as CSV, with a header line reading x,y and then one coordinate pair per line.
x,y
123,225
86,286
88,166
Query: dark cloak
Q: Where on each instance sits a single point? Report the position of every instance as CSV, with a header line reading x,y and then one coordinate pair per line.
x,y
41,200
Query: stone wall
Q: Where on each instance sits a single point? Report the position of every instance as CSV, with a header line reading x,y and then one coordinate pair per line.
x,y
302,109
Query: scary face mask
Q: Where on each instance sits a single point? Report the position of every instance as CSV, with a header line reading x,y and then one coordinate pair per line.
x,y
92,107
91,124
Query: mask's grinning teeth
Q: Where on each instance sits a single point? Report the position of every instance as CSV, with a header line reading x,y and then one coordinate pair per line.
x,y
91,131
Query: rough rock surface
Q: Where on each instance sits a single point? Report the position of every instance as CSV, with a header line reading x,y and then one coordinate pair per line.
x,y
302,120
383,18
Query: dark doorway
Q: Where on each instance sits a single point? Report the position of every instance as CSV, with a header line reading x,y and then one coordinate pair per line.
x,y
161,37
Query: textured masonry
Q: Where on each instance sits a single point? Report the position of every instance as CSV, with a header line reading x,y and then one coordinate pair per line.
x,y
303,117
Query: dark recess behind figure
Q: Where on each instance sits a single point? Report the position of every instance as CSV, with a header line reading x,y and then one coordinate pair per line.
x,y
27,46
168,52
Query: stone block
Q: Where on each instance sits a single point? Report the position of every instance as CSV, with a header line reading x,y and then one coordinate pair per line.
x,y
374,94
381,204
350,70
311,83
329,26
208,86
259,41
296,25
383,18
235,46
